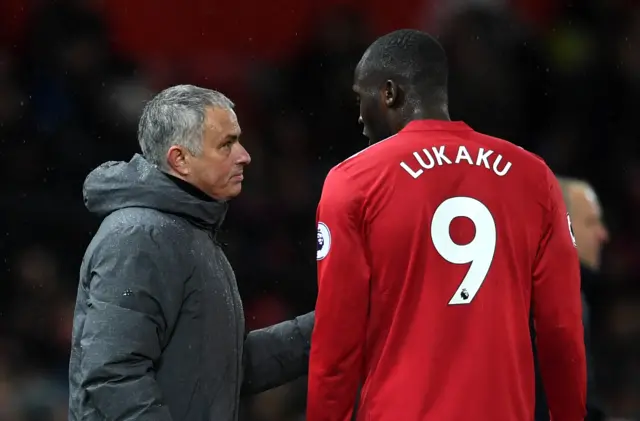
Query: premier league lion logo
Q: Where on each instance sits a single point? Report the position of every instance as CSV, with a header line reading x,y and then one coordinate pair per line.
x,y
324,241
320,241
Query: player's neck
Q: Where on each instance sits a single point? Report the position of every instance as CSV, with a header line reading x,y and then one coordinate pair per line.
x,y
430,113
408,114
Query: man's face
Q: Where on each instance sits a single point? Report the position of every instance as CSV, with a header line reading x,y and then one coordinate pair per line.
x,y
218,170
373,110
588,227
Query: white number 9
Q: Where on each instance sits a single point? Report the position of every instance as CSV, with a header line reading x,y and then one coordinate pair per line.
x,y
479,252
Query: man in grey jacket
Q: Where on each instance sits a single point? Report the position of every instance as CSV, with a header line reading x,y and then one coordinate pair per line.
x,y
159,331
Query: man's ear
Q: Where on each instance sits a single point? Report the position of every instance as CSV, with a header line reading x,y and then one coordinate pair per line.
x,y
178,160
391,93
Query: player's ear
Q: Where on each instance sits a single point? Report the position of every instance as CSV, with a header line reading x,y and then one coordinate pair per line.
x,y
391,93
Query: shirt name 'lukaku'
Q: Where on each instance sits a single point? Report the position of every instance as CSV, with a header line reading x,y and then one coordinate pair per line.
x,y
427,159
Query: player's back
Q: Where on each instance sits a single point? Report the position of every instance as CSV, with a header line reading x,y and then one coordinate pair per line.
x,y
454,221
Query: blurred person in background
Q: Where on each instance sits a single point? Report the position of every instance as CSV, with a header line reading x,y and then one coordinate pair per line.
x,y
586,217
590,235
159,329
588,226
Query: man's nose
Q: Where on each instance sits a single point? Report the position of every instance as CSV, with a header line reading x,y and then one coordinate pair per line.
x,y
604,234
360,120
244,158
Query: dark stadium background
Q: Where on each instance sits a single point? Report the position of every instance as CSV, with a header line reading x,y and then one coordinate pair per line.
x,y
561,79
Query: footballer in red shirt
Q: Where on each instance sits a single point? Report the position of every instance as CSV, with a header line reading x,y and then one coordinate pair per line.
x,y
434,245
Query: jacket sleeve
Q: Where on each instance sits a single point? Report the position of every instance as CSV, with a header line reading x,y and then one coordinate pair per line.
x,y
557,312
135,292
336,366
277,354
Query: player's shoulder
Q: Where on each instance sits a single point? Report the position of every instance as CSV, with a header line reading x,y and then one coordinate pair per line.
x,y
360,168
367,156
534,165
533,174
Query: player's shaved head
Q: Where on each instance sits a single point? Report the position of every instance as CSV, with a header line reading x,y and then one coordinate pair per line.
x,y
401,77
413,59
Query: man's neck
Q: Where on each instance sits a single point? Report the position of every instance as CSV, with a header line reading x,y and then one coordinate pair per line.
x,y
189,188
430,113
420,113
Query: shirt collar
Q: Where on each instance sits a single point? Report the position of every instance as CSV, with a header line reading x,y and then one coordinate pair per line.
x,y
435,125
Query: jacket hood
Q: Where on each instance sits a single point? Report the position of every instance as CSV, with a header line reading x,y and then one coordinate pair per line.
x,y
138,183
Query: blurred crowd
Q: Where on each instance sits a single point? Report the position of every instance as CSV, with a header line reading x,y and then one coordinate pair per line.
x,y
566,87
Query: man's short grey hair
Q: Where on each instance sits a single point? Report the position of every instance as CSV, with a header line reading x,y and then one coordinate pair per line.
x,y
566,184
176,117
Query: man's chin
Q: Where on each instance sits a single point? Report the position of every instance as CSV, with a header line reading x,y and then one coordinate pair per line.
x,y
229,192
235,189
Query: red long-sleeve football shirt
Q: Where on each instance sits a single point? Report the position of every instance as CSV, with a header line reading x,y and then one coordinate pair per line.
x,y
433,247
